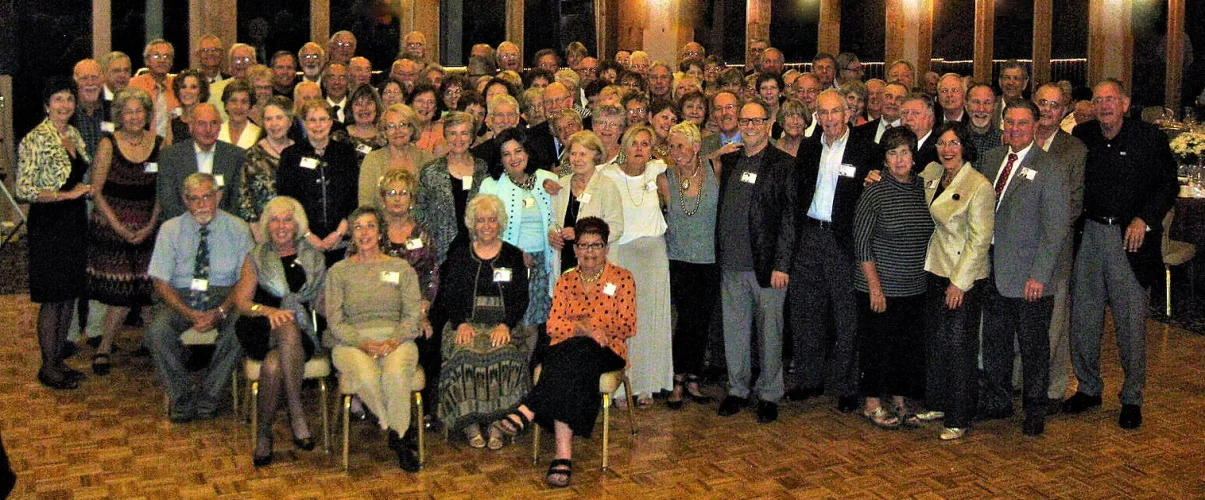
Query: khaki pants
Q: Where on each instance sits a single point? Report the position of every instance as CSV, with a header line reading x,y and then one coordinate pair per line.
x,y
384,384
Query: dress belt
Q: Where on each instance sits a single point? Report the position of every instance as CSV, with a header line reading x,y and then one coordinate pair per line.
x,y
822,224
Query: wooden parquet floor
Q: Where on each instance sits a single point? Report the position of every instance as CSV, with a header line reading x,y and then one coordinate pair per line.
x,y
111,439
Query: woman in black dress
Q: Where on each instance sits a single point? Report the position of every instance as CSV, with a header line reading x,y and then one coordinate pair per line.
x,y
51,165
280,279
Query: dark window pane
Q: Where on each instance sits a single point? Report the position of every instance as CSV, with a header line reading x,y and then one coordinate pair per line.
x,y
1148,22
733,22
484,21
864,29
376,27
954,30
1069,45
175,30
129,29
794,29
272,25
1013,30
63,37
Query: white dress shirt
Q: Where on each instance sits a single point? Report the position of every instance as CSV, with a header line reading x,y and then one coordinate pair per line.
x,y
821,207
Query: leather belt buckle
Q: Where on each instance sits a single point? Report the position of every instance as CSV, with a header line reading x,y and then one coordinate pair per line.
x,y
822,224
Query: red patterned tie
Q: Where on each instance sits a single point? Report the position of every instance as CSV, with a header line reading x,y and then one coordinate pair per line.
x,y
1003,180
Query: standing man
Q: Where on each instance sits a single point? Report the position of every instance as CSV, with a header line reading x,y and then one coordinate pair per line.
x,y
1069,154
117,70
755,231
1013,80
242,57
194,266
849,69
724,108
985,135
509,57
210,54
502,112
824,66
951,94
359,72
313,61
203,153
772,62
874,98
903,72
92,117
334,82
894,94
158,57
831,174
284,73
1129,185
805,88
341,47
917,114
660,78
1031,225
416,44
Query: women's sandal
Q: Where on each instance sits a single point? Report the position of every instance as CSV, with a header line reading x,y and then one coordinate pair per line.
x,y
495,442
907,419
560,472
476,440
931,415
952,433
513,425
693,392
643,401
882,418
674,401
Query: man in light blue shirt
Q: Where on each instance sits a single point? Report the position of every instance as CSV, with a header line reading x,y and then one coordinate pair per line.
x,y
193,282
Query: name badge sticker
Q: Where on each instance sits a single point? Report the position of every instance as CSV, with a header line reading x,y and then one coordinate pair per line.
x,y
502,275
177,111
529,202
391,277
847,170
932,184
310,163
1028,173
199,285
749,177
151,167
466,183
220,179
107,127
610,289
584,198
650,186
414,244
364,149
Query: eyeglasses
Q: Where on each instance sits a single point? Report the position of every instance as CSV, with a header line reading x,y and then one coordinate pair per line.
x,y
160,57
242,60
396,126
606,124
343,45
394,193
1047,103
855,69
208,197
954,143
637,111
1105,99
311,56
756,122
590,246
211,50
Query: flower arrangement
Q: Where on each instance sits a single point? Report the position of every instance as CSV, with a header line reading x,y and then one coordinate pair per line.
x,y
1189,147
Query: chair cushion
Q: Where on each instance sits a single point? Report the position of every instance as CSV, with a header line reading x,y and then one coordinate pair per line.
x,y
317,367
609,382
1178,252
193,337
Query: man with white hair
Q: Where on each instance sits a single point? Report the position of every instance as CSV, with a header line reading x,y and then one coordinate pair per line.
x,y
242,57
341,47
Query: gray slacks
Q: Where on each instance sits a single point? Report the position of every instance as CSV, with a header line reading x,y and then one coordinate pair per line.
x,y
167,352
745,302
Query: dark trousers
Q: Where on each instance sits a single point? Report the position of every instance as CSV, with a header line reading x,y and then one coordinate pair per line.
x,y
952,349
822,289
891,347
1006,319
568,387
693,289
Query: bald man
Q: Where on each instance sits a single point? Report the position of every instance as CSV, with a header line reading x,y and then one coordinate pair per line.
x,y
92,114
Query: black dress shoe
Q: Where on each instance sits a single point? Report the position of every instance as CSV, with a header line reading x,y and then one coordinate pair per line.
x,y
1054,406
73,374
306,444
264,460
1080,402
804,393
847,404
94,342
69,349
1035,425
63,383
406,460
731,405
1131,417
766,412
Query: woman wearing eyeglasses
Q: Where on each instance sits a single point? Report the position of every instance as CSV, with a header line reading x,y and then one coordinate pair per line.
x,y
399,125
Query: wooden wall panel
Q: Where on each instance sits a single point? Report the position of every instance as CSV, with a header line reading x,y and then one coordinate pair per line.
x,y
829,39
1175,53
102,28
1043,15
514,23
757,23
631,25
1110,43
216,17
910,33
985,25
320,21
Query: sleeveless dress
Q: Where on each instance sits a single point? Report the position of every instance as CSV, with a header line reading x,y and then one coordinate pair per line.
x,y
57,243
117,270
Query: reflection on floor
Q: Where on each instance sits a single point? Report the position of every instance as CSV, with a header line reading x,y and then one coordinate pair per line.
x,y
110,439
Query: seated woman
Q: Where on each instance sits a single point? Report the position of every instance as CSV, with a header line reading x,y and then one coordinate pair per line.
x,y
485,350
593,314
280,278
372,307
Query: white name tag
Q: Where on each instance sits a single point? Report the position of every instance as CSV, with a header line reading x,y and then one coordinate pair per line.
x,y
502,275
414,244
220,179
650,186
529,202
177,111
364,149
151,167
391,277
847,170
609,289
466,183
107,127
584,198
1028,174
310,163
748,177
199,285
932,184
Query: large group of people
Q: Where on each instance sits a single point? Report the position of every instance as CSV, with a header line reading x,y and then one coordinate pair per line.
x,y
813,231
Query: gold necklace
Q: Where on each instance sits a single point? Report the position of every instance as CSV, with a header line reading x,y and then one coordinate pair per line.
x,y
686,179
591,279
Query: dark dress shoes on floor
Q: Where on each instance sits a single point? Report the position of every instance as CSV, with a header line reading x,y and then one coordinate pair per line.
x,y
1054,406
804,393
1080,402
1131,417
61,383
1035,425
730,406
847,404
766,412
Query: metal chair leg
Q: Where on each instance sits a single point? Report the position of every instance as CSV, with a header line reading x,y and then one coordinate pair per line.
x,y
253,409
234,392
1167,280
346,426
326,431
422,424
606,404
627,390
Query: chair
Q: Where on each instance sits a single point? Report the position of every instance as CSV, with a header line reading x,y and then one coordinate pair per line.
x,y
1152,114
418,382
192,338
317,368
1176,253
608,384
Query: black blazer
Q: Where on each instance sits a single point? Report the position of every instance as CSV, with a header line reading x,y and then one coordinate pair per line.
x,y
325,208
541,147
926,154
772,215
489,152
867,130
864,155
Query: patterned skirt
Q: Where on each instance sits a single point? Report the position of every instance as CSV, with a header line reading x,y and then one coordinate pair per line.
x,y
479,383
117,270
539,299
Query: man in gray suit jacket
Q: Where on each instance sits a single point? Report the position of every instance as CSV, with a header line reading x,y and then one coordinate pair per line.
x,y
1031,225
1069,154
203,153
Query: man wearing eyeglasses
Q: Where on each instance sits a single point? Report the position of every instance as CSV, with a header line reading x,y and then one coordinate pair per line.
x,y
341,47
210,56
831,169
849,69
509,57
824,66
951,95
194,266
1129,185
158,57
1069,154
203,153
415,43
242,57
313,59
755,232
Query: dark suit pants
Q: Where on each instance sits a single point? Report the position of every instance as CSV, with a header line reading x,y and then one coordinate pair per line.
x,y
952,346
1006,319
694,288
822,285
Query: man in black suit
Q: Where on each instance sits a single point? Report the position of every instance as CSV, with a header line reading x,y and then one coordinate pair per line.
x,y
203,153
1129,185
543,148
894,95
917,114
754,233
951,95
502,113
831,168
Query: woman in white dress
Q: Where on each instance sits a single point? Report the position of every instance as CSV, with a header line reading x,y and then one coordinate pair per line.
x,y
643,189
